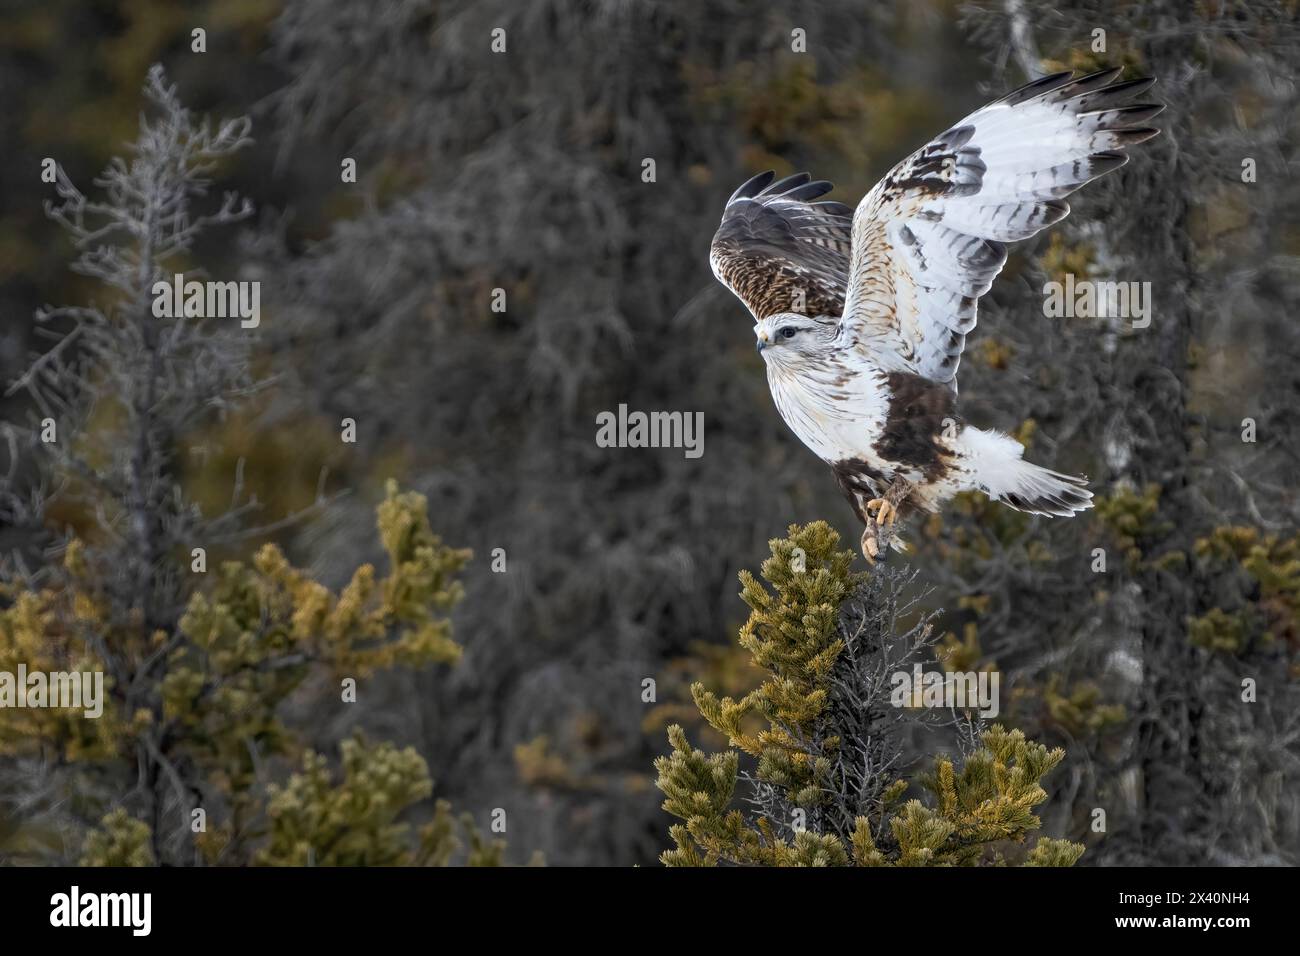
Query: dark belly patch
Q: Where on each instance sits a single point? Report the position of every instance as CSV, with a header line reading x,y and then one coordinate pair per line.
x,y
860,483
919,412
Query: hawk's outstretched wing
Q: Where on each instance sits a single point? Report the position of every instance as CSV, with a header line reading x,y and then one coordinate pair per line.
x,y
774,243
928,240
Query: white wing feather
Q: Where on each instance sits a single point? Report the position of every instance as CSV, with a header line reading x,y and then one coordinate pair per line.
x,y
928,240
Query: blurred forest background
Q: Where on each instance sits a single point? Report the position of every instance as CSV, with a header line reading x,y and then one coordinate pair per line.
x,y
522,171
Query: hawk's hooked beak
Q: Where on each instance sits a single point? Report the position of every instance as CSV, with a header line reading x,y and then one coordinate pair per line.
x,y
762,343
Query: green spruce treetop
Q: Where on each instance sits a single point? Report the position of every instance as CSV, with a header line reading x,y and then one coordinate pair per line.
x,y
827,745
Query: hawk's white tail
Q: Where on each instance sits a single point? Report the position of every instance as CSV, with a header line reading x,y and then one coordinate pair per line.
x,y
998,470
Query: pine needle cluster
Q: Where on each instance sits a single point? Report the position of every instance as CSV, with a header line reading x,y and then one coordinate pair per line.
x,y
828,748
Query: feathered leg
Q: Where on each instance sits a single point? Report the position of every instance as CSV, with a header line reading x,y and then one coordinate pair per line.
x,y
878,532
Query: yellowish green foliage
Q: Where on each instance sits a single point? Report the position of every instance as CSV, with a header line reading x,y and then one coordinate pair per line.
x,y
856,119
791,634
1082,58
40,631
539,765
1251,580
972,814
355,822
727,667
121,840
961,654
1259,592
280,467
1131,518
1078,709
1061,259
244,644
255,635
575,757
994,352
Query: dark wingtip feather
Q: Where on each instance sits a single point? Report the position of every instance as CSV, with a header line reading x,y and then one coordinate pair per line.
x,y
1094,91
1054,210
1134,135
1101,163
956,137
818,187
1050,506
752,186
788,183
1036,87
835,208
1135,113
1087,83
1116,92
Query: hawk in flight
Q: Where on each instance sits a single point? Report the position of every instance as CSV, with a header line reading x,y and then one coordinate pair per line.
x,y
862,315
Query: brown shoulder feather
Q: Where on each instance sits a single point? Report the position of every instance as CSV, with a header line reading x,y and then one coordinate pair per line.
x,y
775,243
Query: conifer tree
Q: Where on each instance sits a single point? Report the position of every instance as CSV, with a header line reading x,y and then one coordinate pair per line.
x,y
828,747
197,663
1175,597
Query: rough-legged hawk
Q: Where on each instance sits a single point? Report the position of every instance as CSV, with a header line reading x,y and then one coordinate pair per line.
x,y
863,315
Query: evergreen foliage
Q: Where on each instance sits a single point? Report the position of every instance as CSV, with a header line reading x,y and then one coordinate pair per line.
x,y
1166,666
825,739
1254,581
200,666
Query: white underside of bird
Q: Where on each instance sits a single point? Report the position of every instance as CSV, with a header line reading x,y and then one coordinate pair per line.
x,y
862,315
841,411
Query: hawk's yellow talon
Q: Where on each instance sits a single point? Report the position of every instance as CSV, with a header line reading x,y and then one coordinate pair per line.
x,y
870,546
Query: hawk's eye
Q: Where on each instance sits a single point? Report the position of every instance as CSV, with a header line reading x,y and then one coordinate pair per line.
x,y
788,332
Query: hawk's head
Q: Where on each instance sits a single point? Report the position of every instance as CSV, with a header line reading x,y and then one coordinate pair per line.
x,y
790,339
